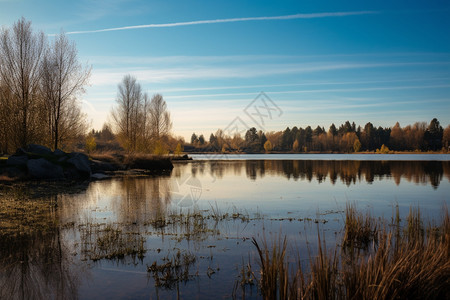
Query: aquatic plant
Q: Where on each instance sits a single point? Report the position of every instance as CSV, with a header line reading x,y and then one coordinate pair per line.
x,y
173,270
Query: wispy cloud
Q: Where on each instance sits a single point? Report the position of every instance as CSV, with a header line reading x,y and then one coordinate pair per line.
x,y
159,75
232,20
367,89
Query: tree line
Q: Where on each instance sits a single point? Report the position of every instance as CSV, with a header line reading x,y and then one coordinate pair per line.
x,y
346,138
40,82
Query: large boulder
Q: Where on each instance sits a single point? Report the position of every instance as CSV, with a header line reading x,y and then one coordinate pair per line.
x,y
17,160
20,152
81,163
12,173
59,153
43,169
39,150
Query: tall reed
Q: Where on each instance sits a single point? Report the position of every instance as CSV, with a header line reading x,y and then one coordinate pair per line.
x,y
412,263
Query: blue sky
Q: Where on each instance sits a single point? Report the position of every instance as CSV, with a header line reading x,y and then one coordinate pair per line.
x,y
318,62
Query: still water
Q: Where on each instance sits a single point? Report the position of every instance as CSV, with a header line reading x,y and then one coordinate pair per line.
x,y
107,239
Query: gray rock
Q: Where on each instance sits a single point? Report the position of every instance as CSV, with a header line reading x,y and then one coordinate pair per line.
x,y
16,160
99,176
39,149
43,169
81,163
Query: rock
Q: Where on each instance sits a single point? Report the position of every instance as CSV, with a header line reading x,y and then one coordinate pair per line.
x,y
99,176
12,173
39,149
43,169
81,163
59,152
101,166
20,152
16,160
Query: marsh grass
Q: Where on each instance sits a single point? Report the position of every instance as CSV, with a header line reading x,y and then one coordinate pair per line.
x,y
108,241
414,229
273,267
173,270
361,229
413,263
195,224
189,224
21,215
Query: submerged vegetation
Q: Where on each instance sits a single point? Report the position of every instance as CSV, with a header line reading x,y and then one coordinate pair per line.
x,y
107,241
173,270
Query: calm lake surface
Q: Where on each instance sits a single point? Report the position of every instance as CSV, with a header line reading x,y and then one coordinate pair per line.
x,y
107,239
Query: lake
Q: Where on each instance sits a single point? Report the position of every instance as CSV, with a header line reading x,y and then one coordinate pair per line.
x,y
188,234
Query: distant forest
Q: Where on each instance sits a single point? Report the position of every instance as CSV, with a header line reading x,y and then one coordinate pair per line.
x,y
346,138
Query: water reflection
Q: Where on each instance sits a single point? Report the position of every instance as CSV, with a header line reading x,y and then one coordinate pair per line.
x,y
50,236
35,259
348,172
141,199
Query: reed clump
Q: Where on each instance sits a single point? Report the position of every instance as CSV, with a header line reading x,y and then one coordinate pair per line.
x,y
360,229
414,264
173,270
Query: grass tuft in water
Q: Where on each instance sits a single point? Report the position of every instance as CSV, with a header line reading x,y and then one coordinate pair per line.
x,y
414,264
173,270
360,228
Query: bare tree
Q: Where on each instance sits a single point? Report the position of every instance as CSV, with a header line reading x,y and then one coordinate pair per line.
x,y
145,132
126,115
6,128
159,117
62,79
21,54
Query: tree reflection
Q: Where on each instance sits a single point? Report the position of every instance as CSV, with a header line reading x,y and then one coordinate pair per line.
x,y
35,262
349,172
142,198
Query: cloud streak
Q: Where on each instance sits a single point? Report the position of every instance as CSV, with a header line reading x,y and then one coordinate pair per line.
x,y
161,75
231,20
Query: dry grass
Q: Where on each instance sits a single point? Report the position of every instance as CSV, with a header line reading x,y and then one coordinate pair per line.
x,y
173,270
107,156
107,241
273,268
412,265
360,229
